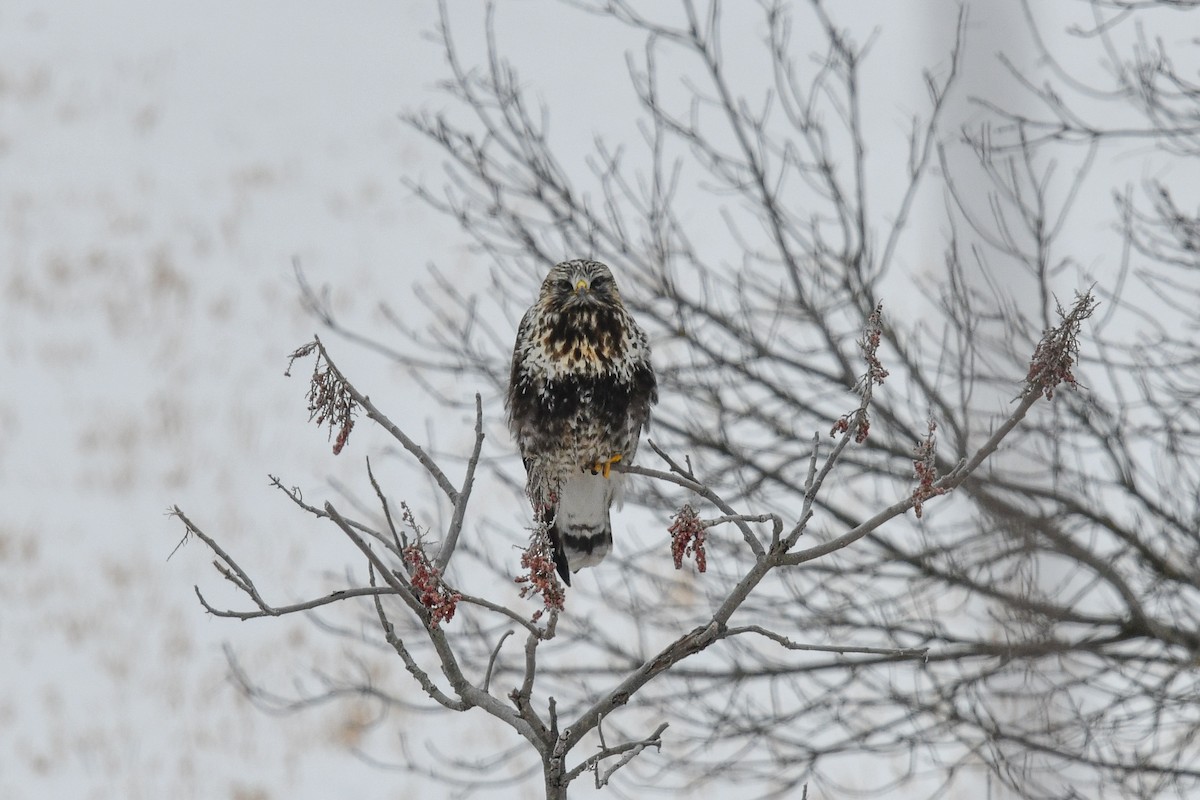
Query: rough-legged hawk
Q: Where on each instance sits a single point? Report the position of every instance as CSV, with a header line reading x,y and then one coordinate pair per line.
x,y
579,396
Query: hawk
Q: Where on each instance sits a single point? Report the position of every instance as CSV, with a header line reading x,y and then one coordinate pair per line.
x,y
579,396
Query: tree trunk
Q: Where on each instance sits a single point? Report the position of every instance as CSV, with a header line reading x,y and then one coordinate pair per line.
x,y
555,788
552,772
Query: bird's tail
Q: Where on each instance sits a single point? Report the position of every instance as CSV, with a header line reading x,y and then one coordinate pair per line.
x,y
581,530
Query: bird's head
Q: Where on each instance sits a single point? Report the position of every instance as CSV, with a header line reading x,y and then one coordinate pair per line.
x,y
580,284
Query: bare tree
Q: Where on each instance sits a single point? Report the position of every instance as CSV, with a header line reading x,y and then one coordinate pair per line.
x,y
1036,629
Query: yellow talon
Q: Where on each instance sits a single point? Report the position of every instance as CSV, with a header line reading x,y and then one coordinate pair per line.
x,y
605,467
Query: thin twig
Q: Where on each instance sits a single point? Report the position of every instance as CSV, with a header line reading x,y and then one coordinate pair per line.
x,y
384,422
308,605
897,652
387,513
295,497
464,495
628,751
677,477
410,663
230,569
947,482
487,676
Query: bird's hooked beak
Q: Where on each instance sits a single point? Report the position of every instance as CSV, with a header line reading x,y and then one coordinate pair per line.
x,y
583,292
578,291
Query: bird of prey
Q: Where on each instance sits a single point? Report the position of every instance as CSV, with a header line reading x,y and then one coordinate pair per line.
x,y
579,396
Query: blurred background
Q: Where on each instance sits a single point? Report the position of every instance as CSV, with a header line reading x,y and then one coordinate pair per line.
x,y
162,167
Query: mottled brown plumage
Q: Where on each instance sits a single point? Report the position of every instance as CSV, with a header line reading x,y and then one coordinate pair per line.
x,y
579,396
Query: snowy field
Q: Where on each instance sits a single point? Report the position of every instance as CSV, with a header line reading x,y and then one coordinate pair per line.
x,y
160,166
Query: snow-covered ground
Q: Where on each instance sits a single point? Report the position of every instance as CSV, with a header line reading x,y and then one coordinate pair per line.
x,y
160,166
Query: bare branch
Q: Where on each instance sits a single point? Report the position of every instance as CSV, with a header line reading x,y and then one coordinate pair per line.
x,y
898,653
382,420
464,495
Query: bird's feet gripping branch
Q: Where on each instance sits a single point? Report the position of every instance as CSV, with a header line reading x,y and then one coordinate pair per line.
x,y
605,467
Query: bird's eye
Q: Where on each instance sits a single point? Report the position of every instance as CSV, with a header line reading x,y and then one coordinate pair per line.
x,y
599,281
